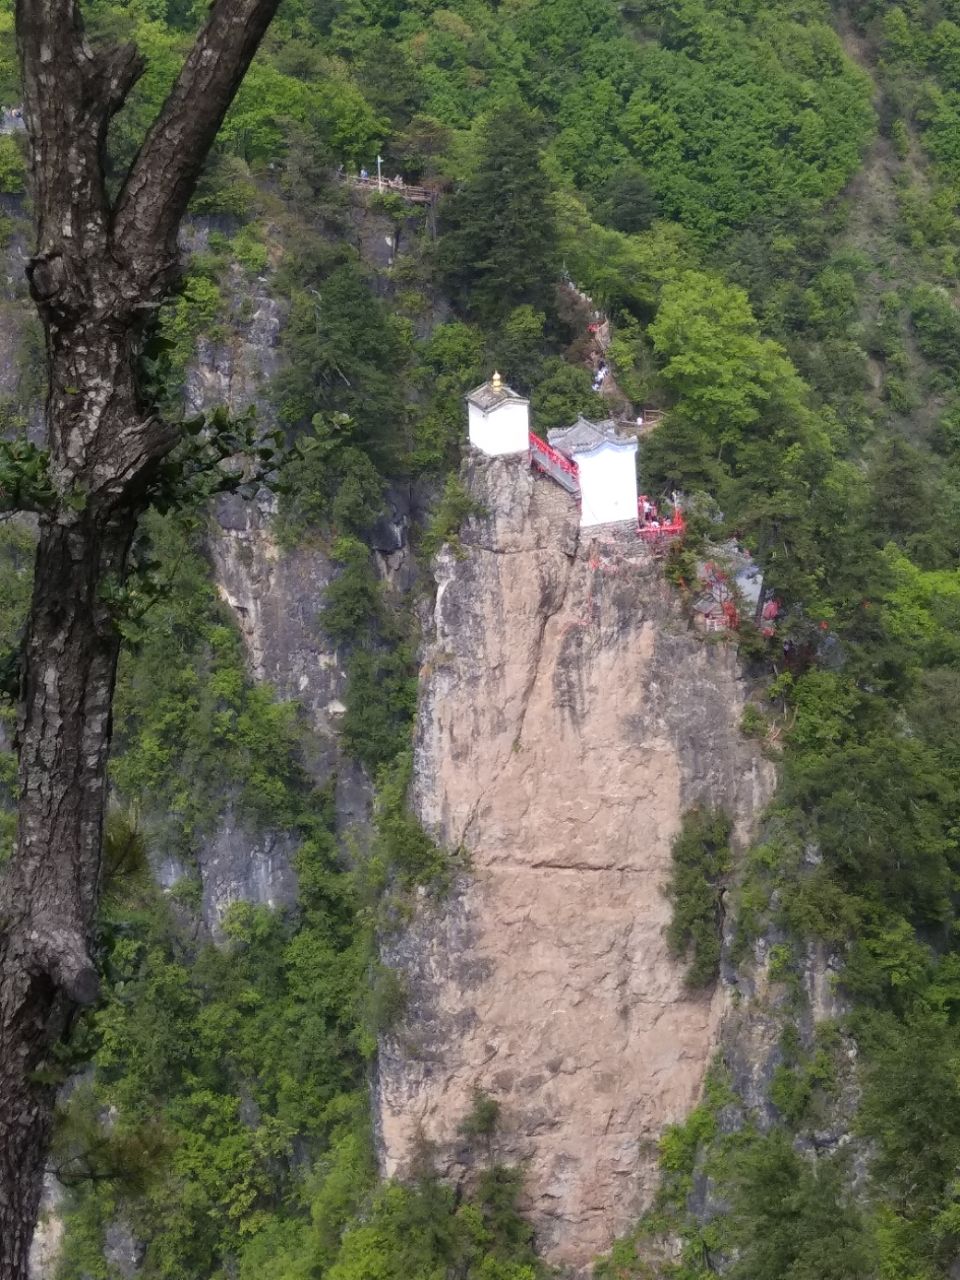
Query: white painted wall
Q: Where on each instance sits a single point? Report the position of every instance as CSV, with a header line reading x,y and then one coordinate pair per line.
x,y
608,483
505,429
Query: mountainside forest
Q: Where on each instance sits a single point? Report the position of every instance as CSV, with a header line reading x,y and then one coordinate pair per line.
x,y
763,199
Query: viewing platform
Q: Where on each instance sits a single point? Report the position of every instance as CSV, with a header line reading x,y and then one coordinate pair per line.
x,y
385,186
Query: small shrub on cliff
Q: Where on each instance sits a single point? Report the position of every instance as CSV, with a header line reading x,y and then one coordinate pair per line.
x,y
753,723
328,482
381,698
385,1002
805,1082
425,1231
701,857
453,508
482,1118
404,854
194,314
382,686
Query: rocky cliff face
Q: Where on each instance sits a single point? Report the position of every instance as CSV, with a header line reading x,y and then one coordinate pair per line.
x,y
276,596
568,718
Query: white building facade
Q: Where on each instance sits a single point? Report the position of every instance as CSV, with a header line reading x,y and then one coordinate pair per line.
x,y
608,483
590,459
607,469
499,418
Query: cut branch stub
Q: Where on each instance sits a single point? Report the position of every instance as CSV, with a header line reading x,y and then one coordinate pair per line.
x,y
64,958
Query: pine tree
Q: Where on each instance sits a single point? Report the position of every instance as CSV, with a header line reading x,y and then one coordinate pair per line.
x,y
499,237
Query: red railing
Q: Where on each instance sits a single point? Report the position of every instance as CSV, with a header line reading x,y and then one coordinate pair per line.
x,y
538,446
554,464
558,466
651,528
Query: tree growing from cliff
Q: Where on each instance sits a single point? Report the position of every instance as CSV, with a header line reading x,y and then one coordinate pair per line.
x,y
701,858
100,268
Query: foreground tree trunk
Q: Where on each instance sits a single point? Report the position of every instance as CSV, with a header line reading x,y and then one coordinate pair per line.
x,y
98,271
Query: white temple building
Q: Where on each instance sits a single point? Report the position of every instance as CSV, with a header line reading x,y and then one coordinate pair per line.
x,y
607,467
499,419
590,459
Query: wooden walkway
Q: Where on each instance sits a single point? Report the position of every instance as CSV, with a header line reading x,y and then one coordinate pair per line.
x,y
415,195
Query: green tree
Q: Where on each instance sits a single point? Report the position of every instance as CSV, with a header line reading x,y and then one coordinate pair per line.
x,y
518,346
911,1106
346,354
715,360
13,171
564,392
794,1219
743,118
901,493
498,248
626,201
701,857
936,324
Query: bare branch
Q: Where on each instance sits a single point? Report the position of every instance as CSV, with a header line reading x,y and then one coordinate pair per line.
x,y
164,173
118,70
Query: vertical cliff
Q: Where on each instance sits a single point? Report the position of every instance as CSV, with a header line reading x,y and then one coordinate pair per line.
x,y
568,718
275,594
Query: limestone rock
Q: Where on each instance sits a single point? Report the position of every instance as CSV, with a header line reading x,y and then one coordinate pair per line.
x,y
239,865
48,1236
568,718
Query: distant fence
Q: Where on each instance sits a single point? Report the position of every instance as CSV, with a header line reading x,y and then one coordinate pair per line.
x,y
649,418
415,195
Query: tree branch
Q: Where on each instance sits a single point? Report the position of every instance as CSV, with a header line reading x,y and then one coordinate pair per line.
x,y
162,178
118,70
62,954
70,95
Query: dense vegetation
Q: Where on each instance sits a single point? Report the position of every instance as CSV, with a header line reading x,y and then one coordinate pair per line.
x,y
763,198
701,858
231,1071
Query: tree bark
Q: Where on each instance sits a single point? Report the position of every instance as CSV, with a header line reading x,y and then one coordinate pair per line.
x,y
97,272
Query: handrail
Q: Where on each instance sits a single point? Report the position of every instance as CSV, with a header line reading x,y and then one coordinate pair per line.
x,y
672,529
556,457
663,529
556,464
420,195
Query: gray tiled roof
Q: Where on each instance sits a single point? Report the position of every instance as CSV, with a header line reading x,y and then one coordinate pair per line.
x,y
708,605
487,396
584,435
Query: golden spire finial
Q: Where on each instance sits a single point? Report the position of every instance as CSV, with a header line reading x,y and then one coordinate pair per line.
x,y
496,381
